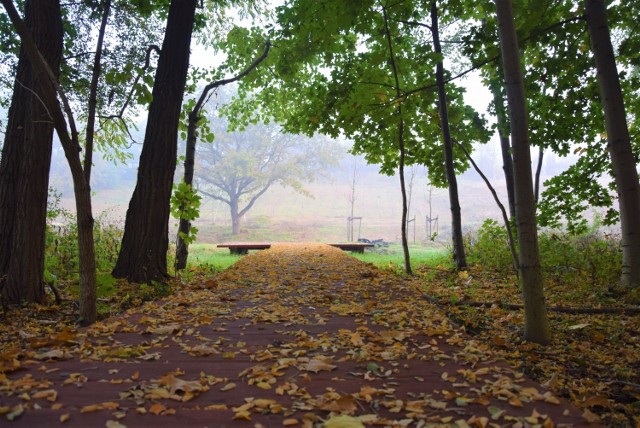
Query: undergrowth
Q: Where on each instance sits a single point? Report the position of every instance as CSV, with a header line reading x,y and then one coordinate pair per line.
x,y
593,257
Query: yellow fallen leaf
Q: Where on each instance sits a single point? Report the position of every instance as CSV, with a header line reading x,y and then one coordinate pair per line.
x,y
290,422
515,402
228,387
343,421
114,424
242,415
216,407
90,408
65,417
263,385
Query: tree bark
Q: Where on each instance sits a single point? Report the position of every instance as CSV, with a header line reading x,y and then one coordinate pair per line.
x,y
505,148
143,254
26,159
52,96
235,216
536,327
618,141
454,202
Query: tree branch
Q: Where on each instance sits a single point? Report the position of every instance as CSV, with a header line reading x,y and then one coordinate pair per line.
x,y
505,217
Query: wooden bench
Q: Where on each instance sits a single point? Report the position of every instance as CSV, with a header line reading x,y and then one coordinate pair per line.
x,y
354,247
244,247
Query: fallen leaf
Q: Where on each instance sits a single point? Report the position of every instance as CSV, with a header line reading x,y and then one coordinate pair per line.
x,y
228,387
157,408
343,421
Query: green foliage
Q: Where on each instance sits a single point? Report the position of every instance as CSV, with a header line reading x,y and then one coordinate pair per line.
x,y
489,246
185,205
331,74
61,251
592,256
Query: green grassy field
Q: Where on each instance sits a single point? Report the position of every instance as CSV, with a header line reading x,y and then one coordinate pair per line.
x,y
389,257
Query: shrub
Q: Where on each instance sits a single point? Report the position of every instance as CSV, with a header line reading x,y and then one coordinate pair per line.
x,y
593,256
489,246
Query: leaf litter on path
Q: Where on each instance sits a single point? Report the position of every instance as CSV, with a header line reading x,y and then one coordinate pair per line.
x,y
299,335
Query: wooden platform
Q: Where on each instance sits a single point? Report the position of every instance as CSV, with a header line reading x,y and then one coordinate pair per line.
x,y
244,247
354,247
293,336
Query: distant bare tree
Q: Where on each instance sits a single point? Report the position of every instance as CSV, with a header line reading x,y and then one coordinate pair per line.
x,y
239,167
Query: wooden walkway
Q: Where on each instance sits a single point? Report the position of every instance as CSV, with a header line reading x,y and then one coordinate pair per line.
x,y
291,336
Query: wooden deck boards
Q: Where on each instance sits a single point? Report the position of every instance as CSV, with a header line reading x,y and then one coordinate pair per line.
x,y
259,326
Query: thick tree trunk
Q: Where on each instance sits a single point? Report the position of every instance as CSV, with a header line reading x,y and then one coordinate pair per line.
x,y
536,327
235,216
618,141
51,96
26,158
143,255
456,217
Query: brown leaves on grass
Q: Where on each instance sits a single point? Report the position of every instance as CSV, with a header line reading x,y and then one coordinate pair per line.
x,y
593,359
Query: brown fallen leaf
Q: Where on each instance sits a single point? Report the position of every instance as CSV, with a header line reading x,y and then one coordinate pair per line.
x,y
318,364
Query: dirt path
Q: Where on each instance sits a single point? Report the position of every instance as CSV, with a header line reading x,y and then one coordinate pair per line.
x,y
292,336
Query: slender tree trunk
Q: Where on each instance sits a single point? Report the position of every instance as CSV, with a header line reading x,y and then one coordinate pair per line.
x,y
184,228
505,148
182,248
93,92
618,141
536,186
143,254
401,146
26,159
536,327
454,202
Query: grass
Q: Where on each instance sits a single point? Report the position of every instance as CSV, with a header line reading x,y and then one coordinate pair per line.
x,y
393,257
209,255
217,259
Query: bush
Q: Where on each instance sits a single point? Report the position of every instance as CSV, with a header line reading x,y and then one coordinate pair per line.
x,y
61,252
592,256
489,246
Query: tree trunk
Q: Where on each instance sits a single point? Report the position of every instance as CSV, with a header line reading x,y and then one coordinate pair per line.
x,y
184,227
51,97
26,158
536,327
536,185
235,216
618,141
143,254
505,148
454,202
